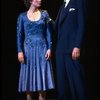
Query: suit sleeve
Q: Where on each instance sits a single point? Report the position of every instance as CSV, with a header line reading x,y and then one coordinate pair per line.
x,y
81,22
20,34
48,31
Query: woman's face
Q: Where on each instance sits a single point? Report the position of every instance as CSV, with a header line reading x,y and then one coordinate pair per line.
x,y
36,3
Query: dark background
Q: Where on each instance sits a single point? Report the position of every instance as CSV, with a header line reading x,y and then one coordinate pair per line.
x,y
9,68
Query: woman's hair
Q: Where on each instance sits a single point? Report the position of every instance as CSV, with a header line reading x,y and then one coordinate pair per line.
x,y
27,3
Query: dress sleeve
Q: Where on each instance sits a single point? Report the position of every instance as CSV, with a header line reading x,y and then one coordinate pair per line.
x,y
48,30
20,34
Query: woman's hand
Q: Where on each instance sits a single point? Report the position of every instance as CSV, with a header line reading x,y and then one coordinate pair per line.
x,y
75,53
21,57
48,54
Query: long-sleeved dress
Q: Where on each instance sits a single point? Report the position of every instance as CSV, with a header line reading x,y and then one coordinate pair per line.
x,y
33,39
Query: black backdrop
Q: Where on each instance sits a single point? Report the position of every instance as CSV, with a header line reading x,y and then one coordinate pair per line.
x,y
10,66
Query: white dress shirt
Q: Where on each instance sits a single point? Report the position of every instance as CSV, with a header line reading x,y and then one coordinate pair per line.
x,y
67,1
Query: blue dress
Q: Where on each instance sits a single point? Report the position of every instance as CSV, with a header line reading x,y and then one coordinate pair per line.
x,y
33,39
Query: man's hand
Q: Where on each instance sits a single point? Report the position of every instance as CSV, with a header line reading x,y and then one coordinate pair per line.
x,y
75,53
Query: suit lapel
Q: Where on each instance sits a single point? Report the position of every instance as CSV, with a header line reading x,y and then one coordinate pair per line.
x,y
64,12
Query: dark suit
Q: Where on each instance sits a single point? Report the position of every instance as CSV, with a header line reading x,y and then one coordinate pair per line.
x,y
69,26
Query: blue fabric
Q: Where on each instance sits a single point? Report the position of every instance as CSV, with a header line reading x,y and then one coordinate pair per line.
x,y
33,39
69,26
70,78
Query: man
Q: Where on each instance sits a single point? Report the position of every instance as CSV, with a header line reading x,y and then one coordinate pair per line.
x,y
69,27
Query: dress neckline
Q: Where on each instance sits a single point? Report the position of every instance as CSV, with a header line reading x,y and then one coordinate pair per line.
x,y
34,20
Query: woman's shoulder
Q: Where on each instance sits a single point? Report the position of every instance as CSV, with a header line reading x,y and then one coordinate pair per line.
x,y
22,14
45,12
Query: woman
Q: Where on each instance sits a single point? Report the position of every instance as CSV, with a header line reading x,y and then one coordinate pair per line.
x,y
34,51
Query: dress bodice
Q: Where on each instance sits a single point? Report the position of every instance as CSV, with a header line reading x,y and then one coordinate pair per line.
x,y
31,32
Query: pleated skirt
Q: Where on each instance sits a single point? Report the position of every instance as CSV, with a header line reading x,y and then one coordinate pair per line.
x,y
36,73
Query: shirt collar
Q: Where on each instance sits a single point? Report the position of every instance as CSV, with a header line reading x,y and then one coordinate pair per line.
x,y
66,1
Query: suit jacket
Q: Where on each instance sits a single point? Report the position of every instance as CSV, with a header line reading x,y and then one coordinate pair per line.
x,y
69,26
